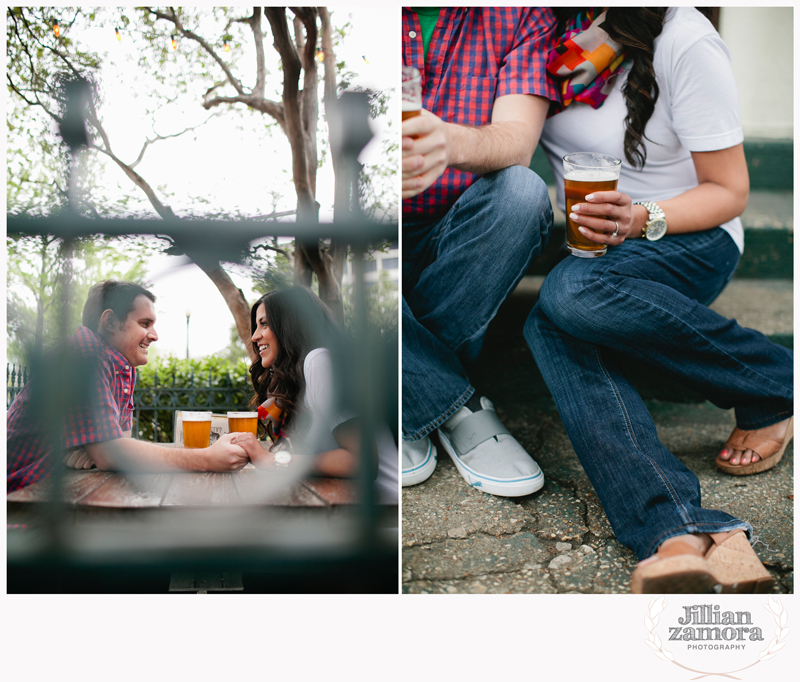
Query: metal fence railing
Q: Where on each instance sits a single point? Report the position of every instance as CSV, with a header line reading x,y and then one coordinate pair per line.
x,y
156,401
16,377
155,405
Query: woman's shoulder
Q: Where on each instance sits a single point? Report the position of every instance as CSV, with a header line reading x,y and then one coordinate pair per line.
x,y
683,27
316,360
688,41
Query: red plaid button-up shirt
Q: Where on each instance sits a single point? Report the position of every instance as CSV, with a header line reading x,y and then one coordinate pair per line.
x,y
476,55
105,414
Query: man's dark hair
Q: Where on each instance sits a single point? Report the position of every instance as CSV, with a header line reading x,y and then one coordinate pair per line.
x,y
113,295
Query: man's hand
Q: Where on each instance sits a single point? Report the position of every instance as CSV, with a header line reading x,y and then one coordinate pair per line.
x,y
228,453
425,152
431,145
78,459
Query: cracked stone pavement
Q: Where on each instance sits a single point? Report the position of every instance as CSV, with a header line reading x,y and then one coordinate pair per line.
x,y
457,539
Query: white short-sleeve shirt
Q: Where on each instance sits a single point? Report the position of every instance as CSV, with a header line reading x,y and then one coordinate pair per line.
x,y
697,111
323,415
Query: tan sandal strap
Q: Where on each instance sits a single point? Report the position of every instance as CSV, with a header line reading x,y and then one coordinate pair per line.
x,y
752,440
676,548
719,538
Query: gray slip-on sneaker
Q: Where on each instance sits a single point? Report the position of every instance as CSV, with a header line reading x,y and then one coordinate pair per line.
x,y
487,456
419,460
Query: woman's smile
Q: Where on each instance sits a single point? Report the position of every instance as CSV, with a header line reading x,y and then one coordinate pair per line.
x,y
264,339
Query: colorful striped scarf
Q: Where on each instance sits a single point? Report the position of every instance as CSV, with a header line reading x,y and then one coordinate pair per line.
x,y
586,60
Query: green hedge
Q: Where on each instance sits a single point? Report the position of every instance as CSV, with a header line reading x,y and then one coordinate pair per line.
x,y
167,384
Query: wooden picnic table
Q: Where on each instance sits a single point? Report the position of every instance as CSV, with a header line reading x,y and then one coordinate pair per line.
x,y
116,490
195,525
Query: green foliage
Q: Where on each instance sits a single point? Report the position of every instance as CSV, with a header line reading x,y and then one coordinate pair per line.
x,y
167,383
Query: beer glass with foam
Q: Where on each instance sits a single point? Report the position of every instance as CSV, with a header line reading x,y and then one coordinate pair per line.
x,y
584,173
242,422
196,429
412,92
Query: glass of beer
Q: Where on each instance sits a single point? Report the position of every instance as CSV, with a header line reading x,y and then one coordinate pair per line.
x,y
412,92
196,429
584,173
241,422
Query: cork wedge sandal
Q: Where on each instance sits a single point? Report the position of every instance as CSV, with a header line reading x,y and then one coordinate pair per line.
x,y
730,566
769,450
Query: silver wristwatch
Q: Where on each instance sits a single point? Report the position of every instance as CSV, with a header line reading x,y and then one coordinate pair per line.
x,y
656,226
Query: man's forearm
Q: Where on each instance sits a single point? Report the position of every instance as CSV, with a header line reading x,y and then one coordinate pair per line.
x,y
124,454
128,454
491,147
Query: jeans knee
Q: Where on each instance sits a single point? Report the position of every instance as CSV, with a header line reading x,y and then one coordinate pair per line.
x,y
568,299
521,205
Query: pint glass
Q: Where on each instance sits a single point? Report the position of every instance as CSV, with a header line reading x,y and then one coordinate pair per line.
x,y
412,92
584,173
241,422
196,429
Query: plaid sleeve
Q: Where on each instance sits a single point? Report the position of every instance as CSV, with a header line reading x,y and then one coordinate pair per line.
x,y
96,415
524,71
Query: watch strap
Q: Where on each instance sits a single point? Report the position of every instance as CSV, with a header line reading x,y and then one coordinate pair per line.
x,y
655,213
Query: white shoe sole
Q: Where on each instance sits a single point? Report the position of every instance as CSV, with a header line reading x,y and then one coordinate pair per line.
x,y
421,472
502,487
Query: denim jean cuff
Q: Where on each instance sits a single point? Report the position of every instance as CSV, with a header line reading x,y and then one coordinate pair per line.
x,y
701,527
764,413
436,423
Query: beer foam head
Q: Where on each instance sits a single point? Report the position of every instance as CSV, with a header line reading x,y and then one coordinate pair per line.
x,y
411,106
243,415
591,174
196,416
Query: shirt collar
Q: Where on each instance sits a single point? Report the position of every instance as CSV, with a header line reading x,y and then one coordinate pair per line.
x,y
118,360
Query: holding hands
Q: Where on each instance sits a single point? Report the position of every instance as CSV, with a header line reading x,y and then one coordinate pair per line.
x,y
231,452
608,218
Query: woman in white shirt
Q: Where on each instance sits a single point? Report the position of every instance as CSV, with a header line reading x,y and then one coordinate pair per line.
x,y
664,102
303,397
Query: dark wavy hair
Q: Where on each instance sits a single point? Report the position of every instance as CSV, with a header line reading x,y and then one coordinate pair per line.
x,y
636,28
301,322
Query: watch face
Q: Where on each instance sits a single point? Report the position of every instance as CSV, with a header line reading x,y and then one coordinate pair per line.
x,y
656,229
282,458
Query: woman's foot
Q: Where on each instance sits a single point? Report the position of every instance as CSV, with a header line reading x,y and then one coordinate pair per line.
x,y
696,544
717,563
750,452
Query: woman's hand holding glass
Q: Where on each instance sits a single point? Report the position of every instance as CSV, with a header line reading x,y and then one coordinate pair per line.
x,y
608,218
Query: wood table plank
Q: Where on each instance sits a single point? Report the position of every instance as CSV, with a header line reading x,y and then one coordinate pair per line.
x,y
264,488
334,491
75,485
201,490
129,491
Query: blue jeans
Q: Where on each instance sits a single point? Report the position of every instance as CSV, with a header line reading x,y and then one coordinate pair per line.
x,y
457,270
647,300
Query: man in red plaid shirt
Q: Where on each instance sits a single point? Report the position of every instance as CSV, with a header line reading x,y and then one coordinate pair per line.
x,y
118,328
474,216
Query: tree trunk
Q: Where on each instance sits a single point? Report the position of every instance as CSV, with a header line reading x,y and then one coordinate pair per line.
x,y
234,298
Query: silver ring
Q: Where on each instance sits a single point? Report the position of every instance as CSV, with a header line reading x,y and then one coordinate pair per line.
x,y
616,232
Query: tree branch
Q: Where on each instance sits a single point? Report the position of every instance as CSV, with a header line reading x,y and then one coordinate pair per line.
x,y
307,208
265,106
173,18
166,137
261,69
